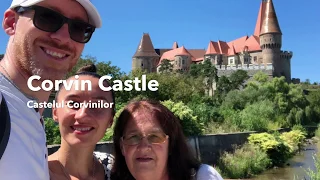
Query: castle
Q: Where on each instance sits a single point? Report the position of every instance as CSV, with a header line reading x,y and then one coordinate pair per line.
x,y
259,52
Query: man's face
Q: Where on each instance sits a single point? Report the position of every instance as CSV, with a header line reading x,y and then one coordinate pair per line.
x,y
47,54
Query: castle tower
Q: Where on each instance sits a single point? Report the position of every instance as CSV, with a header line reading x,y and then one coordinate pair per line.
x,y
271,39
145,57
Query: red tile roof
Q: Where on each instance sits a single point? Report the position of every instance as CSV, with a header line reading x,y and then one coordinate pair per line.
x,y
260,18
197,53
170,55
213,48
252,43
231,50
145,47
238,43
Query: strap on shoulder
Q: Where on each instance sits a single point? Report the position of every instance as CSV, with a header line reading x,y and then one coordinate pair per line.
x,y
5,126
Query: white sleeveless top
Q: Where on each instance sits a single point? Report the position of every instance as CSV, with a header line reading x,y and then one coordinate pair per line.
x,y
107,162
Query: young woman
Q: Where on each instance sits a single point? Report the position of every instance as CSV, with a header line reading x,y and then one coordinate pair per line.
x,y
149,144
81,127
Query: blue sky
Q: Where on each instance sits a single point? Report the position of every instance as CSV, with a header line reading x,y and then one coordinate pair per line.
x,y
193,23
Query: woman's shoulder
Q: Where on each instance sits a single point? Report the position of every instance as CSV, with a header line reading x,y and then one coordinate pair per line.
x,y
207,172
106,160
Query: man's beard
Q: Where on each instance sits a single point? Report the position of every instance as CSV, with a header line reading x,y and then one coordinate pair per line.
x,y
31,65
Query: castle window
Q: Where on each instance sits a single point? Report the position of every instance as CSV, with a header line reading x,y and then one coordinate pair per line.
x,y
142,64
231,61
245,60
255,58
182,61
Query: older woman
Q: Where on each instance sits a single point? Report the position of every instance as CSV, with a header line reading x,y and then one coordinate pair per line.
x,y
81,128
149,144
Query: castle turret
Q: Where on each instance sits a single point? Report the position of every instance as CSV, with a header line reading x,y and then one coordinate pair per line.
x,y
145,57
175,45
183,59
271,40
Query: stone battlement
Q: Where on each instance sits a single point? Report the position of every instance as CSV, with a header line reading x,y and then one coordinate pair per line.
x,y
227,70
286,54
245,67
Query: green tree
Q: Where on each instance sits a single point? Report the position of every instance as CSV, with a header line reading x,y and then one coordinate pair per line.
x,y
238,79
195,70
257,116
223,86
189,122
165,66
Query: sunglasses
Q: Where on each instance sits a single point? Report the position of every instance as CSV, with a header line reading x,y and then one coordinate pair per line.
x,y
51,21
152,138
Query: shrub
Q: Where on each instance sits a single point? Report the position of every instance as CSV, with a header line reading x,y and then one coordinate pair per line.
x,y
293,139
276,149
245,162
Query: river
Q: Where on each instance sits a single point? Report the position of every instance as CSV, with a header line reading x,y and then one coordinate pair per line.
x,y
297,164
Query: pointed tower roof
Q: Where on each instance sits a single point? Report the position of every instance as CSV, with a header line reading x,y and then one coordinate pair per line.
x,y
182,52
145,47
212,49
270,21
231,50
260,18
175,45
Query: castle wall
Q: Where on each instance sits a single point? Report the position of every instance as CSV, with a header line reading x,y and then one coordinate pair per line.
x,y
145,63
256,57
224,59
212,57
182,63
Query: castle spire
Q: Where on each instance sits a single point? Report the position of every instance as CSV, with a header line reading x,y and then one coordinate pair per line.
x,y
270,22
175,45
145,48
260,18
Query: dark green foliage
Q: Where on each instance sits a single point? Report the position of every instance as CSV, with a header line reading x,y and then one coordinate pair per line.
x,y
52,131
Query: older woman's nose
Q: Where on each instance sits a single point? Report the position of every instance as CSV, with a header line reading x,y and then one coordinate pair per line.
x,y
144,143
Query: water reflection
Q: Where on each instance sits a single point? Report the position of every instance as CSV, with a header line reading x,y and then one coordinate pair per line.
x,y
296,167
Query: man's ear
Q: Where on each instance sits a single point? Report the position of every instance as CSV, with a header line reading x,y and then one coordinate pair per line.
x,y
54,114
9,22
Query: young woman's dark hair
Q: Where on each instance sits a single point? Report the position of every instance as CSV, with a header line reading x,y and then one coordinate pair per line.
x,y
91,70
181,162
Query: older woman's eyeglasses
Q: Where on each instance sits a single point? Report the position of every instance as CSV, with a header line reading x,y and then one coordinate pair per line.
x,y
152,138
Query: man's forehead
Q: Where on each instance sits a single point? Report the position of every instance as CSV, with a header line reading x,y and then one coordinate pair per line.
x,y
78,11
